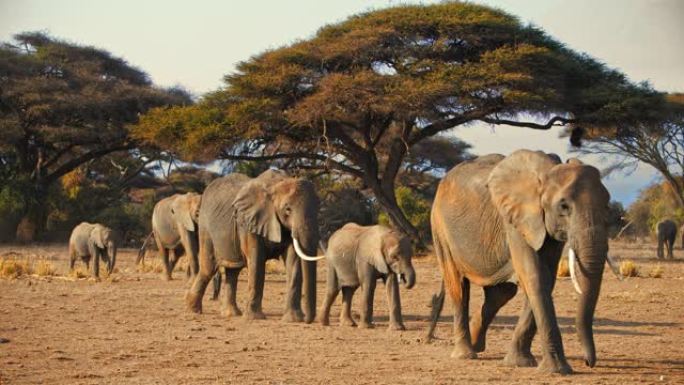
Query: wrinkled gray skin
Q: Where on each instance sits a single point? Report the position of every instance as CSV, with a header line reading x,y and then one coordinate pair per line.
x,y
93,240
666,231
359,256
497,218
242,223
174,224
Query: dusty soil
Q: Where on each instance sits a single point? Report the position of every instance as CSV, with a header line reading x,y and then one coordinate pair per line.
x,y
133,329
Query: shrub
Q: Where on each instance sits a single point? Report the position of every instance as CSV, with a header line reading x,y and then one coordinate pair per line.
x,y
656,272
629,269
45,269
13,268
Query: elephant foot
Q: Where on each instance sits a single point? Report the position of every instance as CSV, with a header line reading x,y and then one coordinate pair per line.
x,y
551,366
396,326
366,325
463,352
347,322
291,315
324,321
254,315
521,360
193,303
167,277
479,345
309,318
232,311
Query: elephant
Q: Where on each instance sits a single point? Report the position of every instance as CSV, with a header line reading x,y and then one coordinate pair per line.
x,y
174,225
359,256
96,241
245,221
666,230
500,222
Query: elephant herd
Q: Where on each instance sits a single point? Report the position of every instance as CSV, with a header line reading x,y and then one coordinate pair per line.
x,y
498,222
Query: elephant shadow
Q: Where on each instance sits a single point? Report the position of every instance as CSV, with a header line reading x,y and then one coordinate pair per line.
x,y
644,366
601,325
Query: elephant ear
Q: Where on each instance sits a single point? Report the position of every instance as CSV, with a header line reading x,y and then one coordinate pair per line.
x,y
515,186
180,208
254,209
97,236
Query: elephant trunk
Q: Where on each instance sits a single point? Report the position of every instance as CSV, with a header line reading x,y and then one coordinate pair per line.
x,y
592,250
409,276
307,243
111,251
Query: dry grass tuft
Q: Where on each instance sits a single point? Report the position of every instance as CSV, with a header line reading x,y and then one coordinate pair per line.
x,y
656,272
629,269
79,272
45,269
563,269
155,266
275,266
13,268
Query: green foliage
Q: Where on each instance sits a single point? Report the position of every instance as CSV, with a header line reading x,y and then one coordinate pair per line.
x,y
655,203
416,209
616,218
63,105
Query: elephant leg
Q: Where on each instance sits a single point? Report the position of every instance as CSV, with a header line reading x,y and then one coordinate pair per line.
x,y
368,289
670,246
86,261
660,248
520,353
309,285
495,297
256,263
537,276
164,254
178,253
193,299
230,298
72,259
463,348
216,283
396,322
293,291
346,318
333,289
96,264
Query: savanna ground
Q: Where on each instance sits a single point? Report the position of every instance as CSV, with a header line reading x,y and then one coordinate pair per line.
x,y
132,328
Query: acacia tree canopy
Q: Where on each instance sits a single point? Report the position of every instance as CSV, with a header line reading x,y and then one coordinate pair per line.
x,y
360,94
62,105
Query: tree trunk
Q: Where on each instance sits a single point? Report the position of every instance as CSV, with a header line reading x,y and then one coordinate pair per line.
x,y
34,219
388,201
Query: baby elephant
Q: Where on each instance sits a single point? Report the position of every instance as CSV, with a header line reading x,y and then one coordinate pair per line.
x,y
358,256
93,240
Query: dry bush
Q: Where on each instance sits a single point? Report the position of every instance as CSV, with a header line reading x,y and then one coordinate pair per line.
x,y
563,269
656,272
13,268
79,272
629,269
44,268
275,266
156,266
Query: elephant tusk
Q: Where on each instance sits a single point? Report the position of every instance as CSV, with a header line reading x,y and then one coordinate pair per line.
x,y
572,260
614,267
301,253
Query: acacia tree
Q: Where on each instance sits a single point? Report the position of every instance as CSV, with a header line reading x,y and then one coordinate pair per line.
x,y
659,144
62,105
359,95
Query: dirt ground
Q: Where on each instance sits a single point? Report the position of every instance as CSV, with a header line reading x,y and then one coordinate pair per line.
x,y
132,329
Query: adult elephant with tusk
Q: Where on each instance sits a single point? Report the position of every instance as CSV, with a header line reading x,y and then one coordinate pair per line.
x,y
500,219
242,223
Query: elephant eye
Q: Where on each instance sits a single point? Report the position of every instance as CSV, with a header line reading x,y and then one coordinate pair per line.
x,y
563,207
287,210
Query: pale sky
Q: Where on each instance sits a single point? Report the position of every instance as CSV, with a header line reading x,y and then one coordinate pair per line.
x,y
195,43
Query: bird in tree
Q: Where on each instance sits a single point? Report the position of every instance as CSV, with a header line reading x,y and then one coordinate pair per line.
x,y
62,105
359,95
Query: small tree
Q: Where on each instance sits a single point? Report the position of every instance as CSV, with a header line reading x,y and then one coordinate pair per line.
x,y
360,95
659,144
63,105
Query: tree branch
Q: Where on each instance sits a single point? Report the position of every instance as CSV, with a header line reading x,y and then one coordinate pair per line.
x,y
535,126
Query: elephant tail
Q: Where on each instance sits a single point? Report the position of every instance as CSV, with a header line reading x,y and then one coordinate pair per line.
x,y
437,303
141,252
